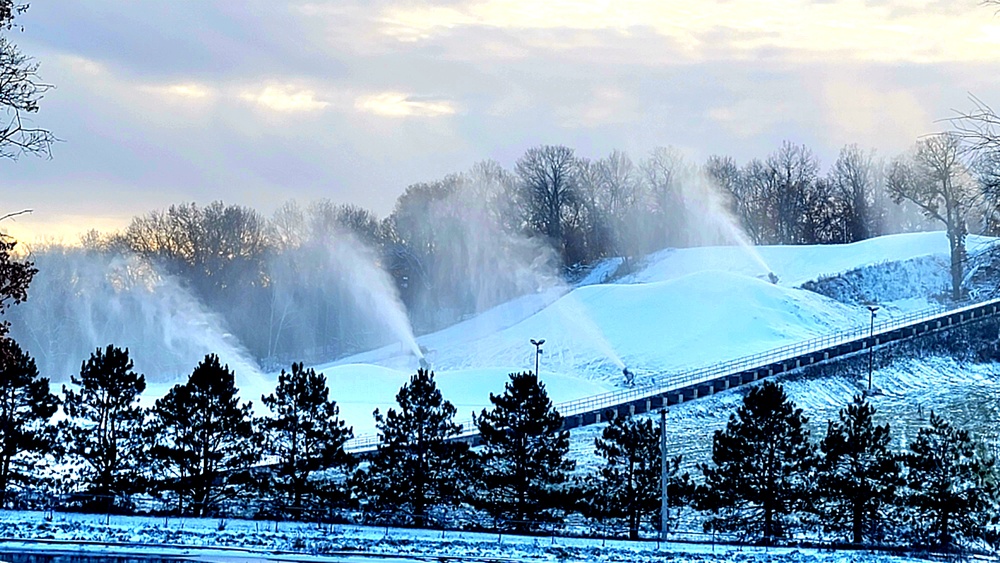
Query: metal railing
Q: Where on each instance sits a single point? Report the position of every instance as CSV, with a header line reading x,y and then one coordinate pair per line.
x,y
674,381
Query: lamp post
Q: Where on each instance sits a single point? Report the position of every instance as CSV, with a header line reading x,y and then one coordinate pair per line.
x,y
664,504
538,352
871,345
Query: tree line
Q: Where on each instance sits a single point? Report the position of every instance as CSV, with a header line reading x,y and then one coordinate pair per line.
x,y
287,285
199,447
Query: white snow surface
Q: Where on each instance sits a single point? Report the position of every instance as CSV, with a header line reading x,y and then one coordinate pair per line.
x,y
245,540
681,309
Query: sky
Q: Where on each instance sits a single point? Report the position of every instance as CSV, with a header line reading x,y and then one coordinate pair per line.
x,y
254,103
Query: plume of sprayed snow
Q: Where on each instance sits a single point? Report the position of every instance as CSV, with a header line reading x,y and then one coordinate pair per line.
x,y
372,289
573,312
480,261
709,207
330,291
486,263
82,300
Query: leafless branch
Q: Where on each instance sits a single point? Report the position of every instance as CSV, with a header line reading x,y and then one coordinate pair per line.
x,y
16,213
979,128
21,90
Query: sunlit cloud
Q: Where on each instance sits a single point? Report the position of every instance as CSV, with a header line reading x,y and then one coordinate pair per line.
x,y
193,91
184,91
286,99
395,104
889,31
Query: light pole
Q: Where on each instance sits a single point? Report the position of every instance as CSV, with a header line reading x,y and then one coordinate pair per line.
x,y
664,504
871,346
538,352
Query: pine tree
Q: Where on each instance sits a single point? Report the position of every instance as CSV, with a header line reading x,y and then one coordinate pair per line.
x,y
204,436
628,484
418,464
951,484
15,277
103,426
858,475
524,452
761,465
305,433
25,409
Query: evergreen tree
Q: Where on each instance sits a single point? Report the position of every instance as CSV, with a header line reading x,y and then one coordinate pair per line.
x,y
524,452
951,484
858,474
25,409
103,426
204,436
305,433
418,464
15,275
761,465
628,484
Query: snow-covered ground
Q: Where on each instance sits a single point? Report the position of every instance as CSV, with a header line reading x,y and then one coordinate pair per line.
x,y
243,540
681,308
678,309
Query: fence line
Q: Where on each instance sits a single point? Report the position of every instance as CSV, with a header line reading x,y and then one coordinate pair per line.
x,y
241,517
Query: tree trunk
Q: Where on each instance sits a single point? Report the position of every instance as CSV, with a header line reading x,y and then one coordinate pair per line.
x,y
956,243
4,477
857,520
945,533
768,524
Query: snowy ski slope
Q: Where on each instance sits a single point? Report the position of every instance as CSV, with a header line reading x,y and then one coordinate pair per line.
x,y
682,308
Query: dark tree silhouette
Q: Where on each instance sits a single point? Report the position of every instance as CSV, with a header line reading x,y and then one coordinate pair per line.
x,y
936,180
304,432
524,452
548,180
25,409
204,436
102,431
951,485
15,277
418,465
760,465
628,484
21,90
858,475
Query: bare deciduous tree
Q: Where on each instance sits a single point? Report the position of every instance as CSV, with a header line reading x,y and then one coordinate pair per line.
x,y
853,180
662,174
21,90
936,179
548,178
793,169
979,127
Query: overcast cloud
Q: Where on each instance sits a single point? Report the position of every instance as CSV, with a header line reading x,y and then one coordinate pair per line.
x,y
254,103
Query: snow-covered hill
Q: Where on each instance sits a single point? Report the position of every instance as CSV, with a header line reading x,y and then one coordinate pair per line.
x,y
681,308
